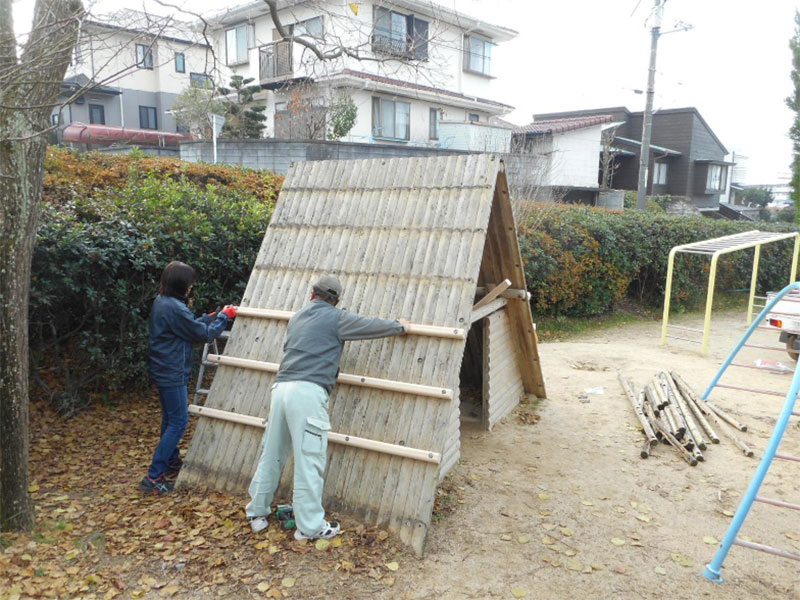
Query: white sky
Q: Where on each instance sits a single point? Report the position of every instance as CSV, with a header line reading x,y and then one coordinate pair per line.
x,y
734,66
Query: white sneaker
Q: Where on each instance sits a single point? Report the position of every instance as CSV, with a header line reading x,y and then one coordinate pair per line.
x,y
258,524
330,530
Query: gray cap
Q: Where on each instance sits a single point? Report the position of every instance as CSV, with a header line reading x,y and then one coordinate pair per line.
x,y
330,285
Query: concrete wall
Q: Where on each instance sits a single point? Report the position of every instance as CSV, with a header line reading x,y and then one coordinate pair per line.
x,y
478,137
278,155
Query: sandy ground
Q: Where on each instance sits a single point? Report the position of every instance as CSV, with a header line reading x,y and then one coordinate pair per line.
x,y
540,504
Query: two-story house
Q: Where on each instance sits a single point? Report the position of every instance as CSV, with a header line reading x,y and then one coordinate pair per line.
x,y
419,73
687,159
124,76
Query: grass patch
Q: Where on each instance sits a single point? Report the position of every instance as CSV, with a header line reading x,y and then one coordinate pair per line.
x,y
554,329
557,328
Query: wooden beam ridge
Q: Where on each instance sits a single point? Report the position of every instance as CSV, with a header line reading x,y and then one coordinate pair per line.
x,y
388,385
454,333
509,293
488,309
336,438
498,289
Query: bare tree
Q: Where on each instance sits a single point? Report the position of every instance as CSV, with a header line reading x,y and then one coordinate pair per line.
x,y
532,164
29,85
608,158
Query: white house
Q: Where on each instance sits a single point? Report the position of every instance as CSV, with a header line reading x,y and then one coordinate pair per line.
x,y
568,151
411,67
133,65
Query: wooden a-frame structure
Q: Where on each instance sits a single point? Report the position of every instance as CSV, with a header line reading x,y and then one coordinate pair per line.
x,y
420,238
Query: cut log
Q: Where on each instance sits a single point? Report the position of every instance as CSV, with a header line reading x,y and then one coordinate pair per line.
x,y
687,456
692,401
726,417
686,413
646,428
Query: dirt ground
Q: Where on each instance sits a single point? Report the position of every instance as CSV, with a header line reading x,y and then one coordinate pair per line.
x,y
559,508
543,503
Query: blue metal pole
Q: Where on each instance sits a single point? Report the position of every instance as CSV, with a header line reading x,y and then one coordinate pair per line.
x,y
712,570
756,322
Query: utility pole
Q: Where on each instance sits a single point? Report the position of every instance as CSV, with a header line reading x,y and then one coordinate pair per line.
x,y
644,158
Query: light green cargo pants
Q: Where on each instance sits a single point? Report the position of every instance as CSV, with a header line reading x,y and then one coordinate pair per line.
x,y
298,421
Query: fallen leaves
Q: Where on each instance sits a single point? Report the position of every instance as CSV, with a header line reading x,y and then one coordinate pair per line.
x,y
100,537
618,541
681,559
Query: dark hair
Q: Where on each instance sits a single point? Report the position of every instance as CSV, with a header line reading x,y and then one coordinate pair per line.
x,y
176,279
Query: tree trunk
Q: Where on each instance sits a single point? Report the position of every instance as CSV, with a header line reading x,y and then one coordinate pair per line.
x,y
29,87
19,195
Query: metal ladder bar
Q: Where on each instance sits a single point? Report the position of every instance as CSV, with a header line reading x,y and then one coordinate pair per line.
x,y
712,570
204,362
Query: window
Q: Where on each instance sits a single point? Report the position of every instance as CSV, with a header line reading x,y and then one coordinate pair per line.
x,y
473,117
147,117
391,119
200,80
144,56
55,118
477,55
97,114
309,27
399,34
433,126
180,62
716,178
660,174
237,41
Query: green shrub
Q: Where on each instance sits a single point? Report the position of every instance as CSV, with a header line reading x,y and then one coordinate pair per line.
x,y
581,261
101,249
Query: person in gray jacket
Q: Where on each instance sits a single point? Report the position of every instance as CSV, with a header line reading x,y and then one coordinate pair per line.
x,y
298,419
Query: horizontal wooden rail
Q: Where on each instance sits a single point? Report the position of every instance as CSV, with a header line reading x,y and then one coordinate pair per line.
x,y
454,333
336,438
511,293
369,382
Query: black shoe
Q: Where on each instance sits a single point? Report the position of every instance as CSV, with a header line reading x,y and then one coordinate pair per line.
x,y
173,469
156,486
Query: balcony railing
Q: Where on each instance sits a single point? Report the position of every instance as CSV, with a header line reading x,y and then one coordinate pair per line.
x,y
275,62
388,45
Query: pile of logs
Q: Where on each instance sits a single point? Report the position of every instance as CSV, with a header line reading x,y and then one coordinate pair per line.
x,y
671,412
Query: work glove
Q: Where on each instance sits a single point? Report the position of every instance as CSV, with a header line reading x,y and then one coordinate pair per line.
x,y
229,311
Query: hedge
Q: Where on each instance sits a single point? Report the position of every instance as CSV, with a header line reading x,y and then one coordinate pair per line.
x,y
111,223
582,261
108,227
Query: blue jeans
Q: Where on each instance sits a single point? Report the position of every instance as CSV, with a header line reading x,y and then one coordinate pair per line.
x,y
174,419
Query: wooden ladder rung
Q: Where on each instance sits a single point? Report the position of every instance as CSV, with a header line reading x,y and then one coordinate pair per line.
x,y
388,385
336,438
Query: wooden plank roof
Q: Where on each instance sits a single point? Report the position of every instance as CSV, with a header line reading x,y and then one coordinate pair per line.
x,y
406,237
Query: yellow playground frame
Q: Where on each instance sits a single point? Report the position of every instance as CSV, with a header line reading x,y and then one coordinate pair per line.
x,y
715,248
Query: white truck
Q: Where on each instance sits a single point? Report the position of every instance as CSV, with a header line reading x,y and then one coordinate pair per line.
x,y
785,316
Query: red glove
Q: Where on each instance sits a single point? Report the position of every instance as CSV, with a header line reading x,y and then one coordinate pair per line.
x,y
230,311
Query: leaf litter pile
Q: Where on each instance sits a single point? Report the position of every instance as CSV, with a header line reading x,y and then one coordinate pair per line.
x,y
98,536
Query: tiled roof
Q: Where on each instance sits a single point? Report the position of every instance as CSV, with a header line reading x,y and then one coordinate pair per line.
x,y
562,125
421,87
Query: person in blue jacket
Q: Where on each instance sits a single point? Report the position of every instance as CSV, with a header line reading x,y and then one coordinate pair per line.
x,y
173,329
298,415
